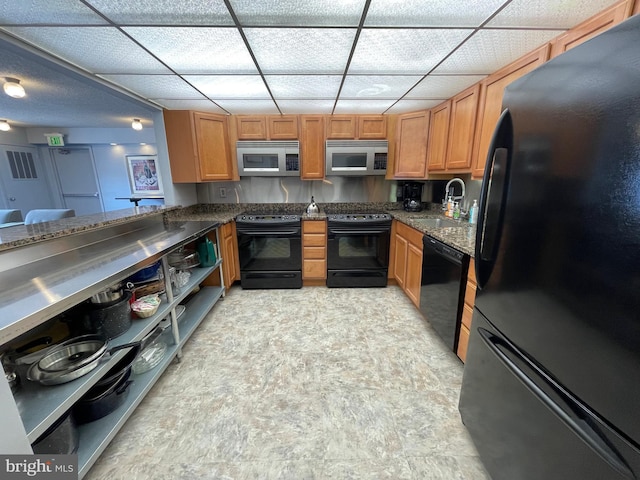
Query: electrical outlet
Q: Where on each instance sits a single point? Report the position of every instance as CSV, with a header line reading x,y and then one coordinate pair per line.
x,y
223,192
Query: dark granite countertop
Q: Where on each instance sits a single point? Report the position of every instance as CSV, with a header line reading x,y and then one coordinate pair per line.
x,y
20,235
461,237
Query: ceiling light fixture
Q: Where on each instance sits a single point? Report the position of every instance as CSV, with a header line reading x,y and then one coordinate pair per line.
x,y
4,126
136,124
13,88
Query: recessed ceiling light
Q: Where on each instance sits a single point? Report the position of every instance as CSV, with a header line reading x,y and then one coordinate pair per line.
x,y
143,144
113,144
4,126
136,124
13,88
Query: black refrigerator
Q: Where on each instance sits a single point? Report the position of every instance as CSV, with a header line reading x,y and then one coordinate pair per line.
x,y
551,385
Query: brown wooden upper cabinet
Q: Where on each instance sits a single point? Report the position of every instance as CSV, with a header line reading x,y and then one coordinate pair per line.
x,y
464,108
312,147
356,127
592,27
411,145
490,106
267,127
636,9
438,137
198,145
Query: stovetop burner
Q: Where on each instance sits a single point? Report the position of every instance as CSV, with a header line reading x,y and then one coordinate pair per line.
x,y
359,217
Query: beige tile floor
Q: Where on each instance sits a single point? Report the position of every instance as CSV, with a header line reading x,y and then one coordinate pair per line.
x,y
314,383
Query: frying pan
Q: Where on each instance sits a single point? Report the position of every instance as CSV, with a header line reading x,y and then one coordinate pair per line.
x,y
80,356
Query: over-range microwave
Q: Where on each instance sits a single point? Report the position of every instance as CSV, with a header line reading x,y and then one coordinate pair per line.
x,y
268,158
356,157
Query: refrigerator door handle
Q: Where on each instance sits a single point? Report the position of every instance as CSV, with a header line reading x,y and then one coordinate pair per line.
x,y
493,197
571,413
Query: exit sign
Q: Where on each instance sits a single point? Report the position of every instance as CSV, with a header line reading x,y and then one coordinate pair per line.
x,y
54,139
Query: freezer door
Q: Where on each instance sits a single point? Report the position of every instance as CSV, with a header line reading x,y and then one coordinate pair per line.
x,y
558,266
526,427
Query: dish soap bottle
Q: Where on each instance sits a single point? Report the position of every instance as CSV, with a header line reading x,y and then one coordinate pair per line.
x,y
449,212
473,212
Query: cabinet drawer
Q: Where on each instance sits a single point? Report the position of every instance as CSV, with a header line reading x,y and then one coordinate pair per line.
x,y
463,343
467,314
314,269
470,294
314,252
314,226
471,274
411,234
314,240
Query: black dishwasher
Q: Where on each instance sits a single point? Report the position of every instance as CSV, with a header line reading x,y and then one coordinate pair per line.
x,y
444,278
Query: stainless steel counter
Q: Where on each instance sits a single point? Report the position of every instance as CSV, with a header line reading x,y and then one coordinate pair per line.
x,y
43,279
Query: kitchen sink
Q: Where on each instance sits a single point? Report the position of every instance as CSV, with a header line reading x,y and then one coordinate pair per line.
x,y
437,222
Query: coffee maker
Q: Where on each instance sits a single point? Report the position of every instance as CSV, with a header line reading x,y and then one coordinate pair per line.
x,y
412,196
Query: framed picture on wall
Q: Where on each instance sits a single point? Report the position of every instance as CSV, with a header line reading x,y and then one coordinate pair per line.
x,y
144,176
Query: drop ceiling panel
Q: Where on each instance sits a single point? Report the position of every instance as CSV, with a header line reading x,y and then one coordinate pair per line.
x,y
306,106
310,13
304,86
189,104
430,13
155,86
398,51
248,106
229,86
96,49
363,106
301,50
47,12
377,86
543,13
404,106
196,50
489,50
165,12
443,86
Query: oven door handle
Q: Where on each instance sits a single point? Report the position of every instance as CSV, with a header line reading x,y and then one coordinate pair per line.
x,y
266,233
347,231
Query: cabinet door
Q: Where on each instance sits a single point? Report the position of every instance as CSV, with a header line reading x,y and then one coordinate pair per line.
x,y
490,106
283,127
411,153
464,108
230,263
413,273
636,9
181,145
341,126
372,127
312,147
214,155
438,135
251,127
591,27
400,260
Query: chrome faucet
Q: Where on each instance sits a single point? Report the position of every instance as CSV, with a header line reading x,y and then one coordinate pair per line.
x,y
459,198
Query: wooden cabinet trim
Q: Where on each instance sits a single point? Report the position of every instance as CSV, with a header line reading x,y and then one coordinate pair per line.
x,y
341,127
591,27
438,136
463,343
372,127
490,102
464,109
282,127
314,226
251,127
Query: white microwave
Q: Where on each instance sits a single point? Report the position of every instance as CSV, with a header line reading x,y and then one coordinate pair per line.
x,y
268,158
356,157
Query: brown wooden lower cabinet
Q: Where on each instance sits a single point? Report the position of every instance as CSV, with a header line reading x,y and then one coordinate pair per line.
x,y
467,312
314,252
406,261
229,252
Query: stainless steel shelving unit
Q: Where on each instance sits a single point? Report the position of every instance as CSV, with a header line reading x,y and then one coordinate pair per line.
x,y
54,276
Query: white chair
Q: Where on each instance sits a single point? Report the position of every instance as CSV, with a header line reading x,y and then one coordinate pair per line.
x,y
48,215
10,216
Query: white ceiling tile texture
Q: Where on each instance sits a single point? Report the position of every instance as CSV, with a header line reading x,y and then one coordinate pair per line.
x,y
274,56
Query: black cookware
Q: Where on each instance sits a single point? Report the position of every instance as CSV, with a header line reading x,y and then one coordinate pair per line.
x,y
60,438
103,399
111,320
